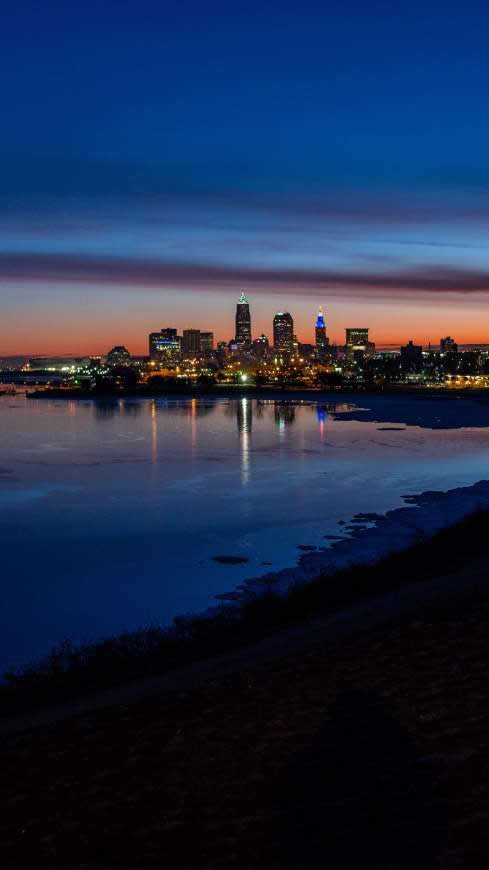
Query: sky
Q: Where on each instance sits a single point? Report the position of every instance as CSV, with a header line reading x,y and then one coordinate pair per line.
x,y
157,158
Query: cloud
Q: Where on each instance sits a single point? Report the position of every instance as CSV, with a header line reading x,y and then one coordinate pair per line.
x,y
127,273
346,191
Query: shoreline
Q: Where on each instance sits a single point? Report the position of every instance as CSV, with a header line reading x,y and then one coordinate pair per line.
x,y
271,392
368,617
397,551
393,532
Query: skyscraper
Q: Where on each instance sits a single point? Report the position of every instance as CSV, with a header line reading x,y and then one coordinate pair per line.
x,y
322,340
283,332
243,320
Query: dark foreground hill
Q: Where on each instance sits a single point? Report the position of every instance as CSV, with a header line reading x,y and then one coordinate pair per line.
x,y
367,751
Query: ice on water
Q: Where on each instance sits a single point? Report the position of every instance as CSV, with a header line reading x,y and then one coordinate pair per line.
x,y
113,511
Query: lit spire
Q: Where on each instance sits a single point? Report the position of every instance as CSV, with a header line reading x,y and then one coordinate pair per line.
x,y
320,324
242,299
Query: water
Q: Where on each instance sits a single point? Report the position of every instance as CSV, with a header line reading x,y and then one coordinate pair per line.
x,y
111,511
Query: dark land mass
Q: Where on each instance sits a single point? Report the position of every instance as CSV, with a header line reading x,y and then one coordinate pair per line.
x,y
364,748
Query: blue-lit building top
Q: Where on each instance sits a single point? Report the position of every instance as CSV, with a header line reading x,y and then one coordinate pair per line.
x,y
322,341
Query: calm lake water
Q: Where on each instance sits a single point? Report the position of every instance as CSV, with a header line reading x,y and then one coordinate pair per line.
x,y
111,511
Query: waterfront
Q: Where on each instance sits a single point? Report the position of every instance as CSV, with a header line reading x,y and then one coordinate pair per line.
x,y
112,511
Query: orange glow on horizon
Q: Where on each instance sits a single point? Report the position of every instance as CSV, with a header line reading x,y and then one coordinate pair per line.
x,y
84,324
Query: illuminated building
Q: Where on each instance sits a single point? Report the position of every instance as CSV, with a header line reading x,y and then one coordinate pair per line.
x,y
243,321
322,340
191,343
165,346
357,337
357,343
118,356
283,332
169,333
58,364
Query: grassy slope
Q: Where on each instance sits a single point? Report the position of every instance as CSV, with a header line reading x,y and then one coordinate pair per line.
x,y
373,752
71,671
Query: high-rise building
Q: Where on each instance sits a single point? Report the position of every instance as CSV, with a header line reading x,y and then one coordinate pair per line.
x,y
322,340
206,342
165,346
243,320
283,332
191,343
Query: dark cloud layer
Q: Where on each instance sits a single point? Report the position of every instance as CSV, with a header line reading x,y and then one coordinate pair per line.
x,y
131,274
347,190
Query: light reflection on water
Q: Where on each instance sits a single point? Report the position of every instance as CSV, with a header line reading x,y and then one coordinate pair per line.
x,y
112,510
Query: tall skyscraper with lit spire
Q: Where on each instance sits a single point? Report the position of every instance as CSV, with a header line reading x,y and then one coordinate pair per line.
x,y
322,340
243,320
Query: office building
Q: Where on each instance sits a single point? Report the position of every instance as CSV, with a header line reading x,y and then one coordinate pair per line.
x,y
165,347
357,344
243,321
191,343
283,332
357,337
206,342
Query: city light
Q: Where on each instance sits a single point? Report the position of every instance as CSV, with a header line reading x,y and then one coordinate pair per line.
x,y
192,359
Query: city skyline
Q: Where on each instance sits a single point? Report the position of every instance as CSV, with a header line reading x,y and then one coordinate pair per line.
x,y
56,331
335,334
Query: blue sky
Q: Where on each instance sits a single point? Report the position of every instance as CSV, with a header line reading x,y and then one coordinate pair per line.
x,y
337,151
